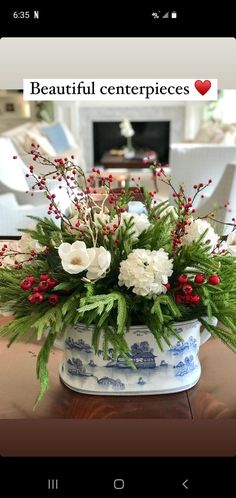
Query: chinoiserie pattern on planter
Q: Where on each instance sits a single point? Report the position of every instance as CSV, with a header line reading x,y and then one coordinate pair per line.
x,y
174,369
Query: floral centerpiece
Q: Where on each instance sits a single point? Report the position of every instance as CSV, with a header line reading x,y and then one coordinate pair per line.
x,y
105,268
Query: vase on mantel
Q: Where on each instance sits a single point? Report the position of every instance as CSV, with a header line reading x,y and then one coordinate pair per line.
x,y
172,370
129,152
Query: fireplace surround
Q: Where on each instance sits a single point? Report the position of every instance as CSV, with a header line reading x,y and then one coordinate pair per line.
x,y
89,116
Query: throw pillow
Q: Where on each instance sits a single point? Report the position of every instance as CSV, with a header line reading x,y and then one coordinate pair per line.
x,y
57,137
33,135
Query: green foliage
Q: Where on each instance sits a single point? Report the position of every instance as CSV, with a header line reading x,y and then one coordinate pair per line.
x,y
18,328
163,311
157,236
39,324
194,258
104,304
167,301
42,361
124,235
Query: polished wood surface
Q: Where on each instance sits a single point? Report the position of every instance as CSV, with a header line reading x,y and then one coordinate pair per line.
x,y
214,397
109,161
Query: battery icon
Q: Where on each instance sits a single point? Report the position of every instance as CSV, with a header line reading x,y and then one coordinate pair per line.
x,y
174,14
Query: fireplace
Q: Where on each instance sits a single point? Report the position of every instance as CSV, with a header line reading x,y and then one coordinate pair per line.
x,y
149,135
171,117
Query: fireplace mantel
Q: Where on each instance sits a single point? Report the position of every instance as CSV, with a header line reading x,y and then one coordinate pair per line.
x,y
80,116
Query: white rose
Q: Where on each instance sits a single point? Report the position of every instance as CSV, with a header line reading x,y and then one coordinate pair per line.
x,y
146,271
100,264
196,229
75,257
231,243
141,222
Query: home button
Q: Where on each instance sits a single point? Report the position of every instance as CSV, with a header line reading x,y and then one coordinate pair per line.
x,y
119,483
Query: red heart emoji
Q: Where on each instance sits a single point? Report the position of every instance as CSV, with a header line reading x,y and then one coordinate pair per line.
x,y
202,86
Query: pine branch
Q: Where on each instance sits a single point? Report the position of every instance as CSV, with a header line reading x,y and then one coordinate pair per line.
x,y
105,303
227,336
42,370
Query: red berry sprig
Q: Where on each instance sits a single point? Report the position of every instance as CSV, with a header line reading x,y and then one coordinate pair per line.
x,y
178,297
195,299
27,283
214,280
185,294
43,286
46,284
44,277
187,289
183,279
199,278
53,299
52,282
36,298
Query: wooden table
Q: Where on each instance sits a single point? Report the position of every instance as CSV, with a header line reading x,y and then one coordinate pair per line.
x,y
214,397
110,161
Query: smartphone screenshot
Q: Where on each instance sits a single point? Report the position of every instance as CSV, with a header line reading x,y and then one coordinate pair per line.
x,y
117,250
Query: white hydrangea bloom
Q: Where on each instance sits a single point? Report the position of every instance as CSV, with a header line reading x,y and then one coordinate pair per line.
x,y
141,222
146,271
196,229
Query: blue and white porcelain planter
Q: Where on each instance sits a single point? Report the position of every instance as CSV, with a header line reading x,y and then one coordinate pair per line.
x,y
175,369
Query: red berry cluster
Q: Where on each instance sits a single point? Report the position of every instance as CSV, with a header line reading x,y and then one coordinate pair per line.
x,y
46,284
109,229
188,291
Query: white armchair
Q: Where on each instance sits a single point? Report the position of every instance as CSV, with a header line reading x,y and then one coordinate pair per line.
x,y
195,163
224,192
